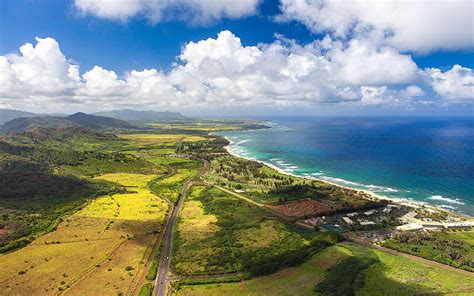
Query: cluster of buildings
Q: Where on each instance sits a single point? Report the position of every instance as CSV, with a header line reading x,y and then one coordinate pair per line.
x,y
413,223
390,215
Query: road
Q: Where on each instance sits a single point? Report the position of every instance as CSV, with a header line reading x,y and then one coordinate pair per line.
x,y
161,280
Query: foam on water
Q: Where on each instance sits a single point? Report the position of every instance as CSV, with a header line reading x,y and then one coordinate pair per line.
x,y
446,199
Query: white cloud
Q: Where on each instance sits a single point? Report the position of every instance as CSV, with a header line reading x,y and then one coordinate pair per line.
x,y
200,12
222,72
40,69
456,84
416,25
363,63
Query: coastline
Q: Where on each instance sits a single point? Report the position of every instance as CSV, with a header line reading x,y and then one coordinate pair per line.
x,y
373,195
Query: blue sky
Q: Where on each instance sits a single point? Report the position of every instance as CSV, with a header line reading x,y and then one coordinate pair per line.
x,y
92,35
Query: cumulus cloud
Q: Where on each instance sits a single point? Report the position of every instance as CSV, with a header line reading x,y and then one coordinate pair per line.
x,y
38,70
199,12
219,72
418,25
456,84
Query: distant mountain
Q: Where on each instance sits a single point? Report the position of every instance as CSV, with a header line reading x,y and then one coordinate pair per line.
x,y
22,124
9,114
79,119
94,121
149,116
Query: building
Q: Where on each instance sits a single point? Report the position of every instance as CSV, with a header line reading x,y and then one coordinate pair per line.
x,y
348,220
410,227
352,214
368,213
314,221
365,223
459,224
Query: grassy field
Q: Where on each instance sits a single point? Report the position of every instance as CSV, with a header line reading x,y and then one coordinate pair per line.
x,y
401,276
452,248
387,275
289,281
108,241
170,187
161,138
219,233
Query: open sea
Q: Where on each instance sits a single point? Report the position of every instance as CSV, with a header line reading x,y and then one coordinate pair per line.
x,y
427,160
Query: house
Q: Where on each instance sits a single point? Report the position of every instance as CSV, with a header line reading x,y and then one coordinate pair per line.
x,y
368,213
365,223
409,227
348,220
387,210
314,221
352,214
459,224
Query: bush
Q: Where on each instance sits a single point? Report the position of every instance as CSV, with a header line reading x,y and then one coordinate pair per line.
x,y
146,290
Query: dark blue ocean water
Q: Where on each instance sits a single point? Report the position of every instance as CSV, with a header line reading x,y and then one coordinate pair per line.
x,y
422,159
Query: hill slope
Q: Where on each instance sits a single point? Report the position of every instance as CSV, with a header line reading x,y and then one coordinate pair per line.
x,y
9,114
94,121
79,119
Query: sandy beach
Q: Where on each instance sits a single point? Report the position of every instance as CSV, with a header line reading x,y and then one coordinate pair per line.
x,y
373,195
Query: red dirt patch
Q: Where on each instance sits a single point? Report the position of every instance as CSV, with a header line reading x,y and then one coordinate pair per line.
x,y
301,208
4,232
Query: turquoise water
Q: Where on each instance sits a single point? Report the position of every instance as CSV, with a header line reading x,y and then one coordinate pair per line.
x,y
421,159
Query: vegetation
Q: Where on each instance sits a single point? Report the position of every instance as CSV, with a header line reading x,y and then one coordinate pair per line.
x,y
146,290
348,275
268,186
218,233
452,248
378,273
107,240
99,200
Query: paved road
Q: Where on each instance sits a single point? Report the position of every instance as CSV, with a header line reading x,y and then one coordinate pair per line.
x,y
161,281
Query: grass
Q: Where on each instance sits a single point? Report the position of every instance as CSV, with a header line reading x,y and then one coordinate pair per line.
x,y
218,233
452,248
267,186
289,281
102,239
401,276
386,275
170,187
161,138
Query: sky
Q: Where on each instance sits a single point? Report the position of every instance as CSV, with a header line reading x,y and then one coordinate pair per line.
x,y
248,57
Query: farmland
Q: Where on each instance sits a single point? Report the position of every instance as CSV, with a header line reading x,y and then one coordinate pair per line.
x,y
107,241
301,208
106,211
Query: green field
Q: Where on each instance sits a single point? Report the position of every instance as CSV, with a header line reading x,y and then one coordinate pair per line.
x,y
452,248
219,233
387,275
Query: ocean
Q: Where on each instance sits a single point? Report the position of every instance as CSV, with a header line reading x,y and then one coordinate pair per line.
x,y
428,160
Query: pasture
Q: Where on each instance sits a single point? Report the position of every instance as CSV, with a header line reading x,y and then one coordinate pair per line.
x,y
387,275
218,233
108,241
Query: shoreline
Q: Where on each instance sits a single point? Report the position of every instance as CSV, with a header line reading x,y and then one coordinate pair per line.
x,y
375,196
